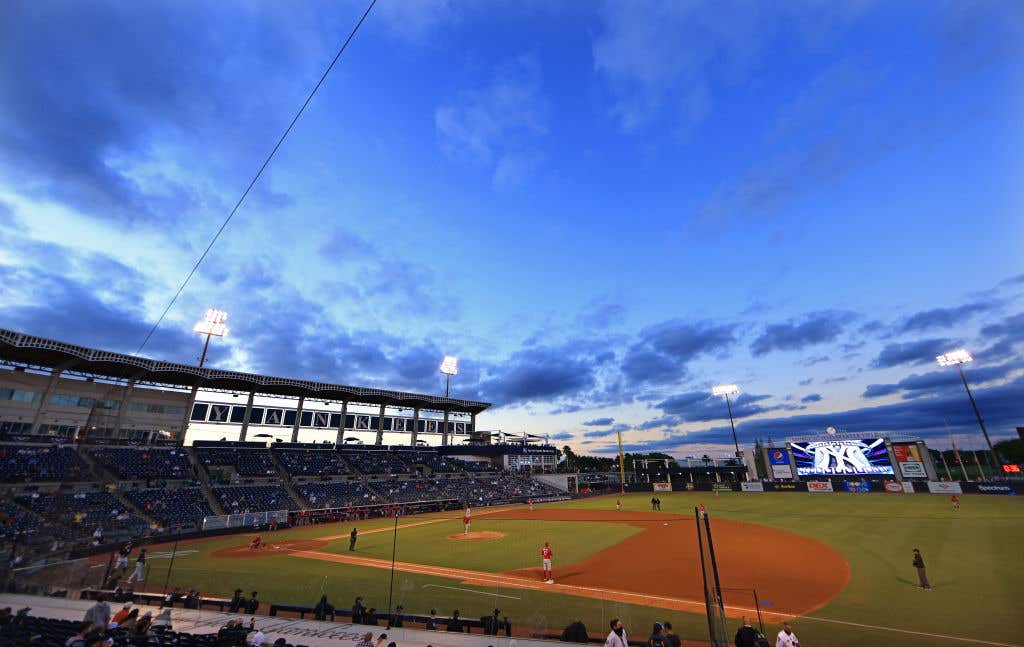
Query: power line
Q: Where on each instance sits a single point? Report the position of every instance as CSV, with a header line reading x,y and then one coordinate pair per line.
x,y
256,177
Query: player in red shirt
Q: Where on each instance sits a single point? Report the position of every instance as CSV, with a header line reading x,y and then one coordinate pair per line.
x,y
530,501
255,543
466,519
618,504
703,512
545,554
956,502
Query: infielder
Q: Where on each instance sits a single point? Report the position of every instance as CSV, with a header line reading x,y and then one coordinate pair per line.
x,y
140,564
545,554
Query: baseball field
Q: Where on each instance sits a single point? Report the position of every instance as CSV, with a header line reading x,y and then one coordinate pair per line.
x,y
837,565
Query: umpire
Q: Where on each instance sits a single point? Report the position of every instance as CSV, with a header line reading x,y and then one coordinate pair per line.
x,y
919,565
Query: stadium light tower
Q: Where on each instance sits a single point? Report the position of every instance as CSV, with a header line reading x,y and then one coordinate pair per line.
x,y
212,325
958,358
450,367
727,390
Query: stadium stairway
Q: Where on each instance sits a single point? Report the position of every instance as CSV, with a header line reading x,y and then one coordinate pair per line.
x,y
98,471
286,481
204,482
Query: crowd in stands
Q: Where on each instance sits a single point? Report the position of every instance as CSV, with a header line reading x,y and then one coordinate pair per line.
x,y
129,463
409,490
377,462
341,494
432,461
16,520
41,463
254,498
86,511
309,462
247,462
178,508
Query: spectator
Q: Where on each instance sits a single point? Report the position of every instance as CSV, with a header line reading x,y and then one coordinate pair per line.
x,y
508,626
786,637
280,642
671,639
431,624
78,640
96,639
382,640
252,604
120,616
143,635
398,619
129,622
192,599
455,623
657,638
358,611
617,636
367,640
99,613
255,637
236,601
746,636
371,617
322,608
576,632
232,634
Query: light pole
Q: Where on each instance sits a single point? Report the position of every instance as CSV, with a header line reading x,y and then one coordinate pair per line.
x,y
958,358
727,390
212,325
450,367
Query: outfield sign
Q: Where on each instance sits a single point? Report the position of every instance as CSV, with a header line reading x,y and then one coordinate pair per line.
x,y
779,460
857,486
662,487
819,486
908,457
752,486
893,487
995,489
945,487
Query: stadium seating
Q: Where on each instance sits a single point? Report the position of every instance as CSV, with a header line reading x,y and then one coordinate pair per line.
x,y
431,460
41,463
87,511
247,462
307,462
145,463
180,508
254,498
342,494
478,466
376,462
409,490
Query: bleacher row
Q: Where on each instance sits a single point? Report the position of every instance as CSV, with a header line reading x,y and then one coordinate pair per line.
x,y
244,479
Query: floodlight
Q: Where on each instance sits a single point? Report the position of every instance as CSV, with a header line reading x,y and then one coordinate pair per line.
x,y
212,323
450,365
725,389
958,356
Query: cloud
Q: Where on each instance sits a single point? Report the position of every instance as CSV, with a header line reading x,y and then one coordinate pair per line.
x,y
601,316
499,125
1010,329
943,317
806,381
811,361
415,19
701,406
562,435
943,380
599,422
540,374
662,352
811,397
816,328
601,433
922,351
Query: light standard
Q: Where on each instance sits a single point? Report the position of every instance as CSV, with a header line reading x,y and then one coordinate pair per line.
x,y
212,325
450,367
727,390
958,358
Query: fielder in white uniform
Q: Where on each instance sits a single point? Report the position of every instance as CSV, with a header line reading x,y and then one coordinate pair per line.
x,y
786,637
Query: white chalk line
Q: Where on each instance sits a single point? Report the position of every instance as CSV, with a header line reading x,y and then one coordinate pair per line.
x,y
456,588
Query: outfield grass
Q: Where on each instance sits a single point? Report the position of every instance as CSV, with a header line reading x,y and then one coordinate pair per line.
x,y
973,561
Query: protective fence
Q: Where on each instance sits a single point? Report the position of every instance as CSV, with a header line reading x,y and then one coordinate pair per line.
x,y
244,520
718,632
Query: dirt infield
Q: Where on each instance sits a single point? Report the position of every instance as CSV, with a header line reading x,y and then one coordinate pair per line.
x,y
269,549
793,573
480,535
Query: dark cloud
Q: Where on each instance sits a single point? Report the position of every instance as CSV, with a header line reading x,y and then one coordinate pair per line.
x,y
662,352
601,433
943,317
540,374
811,361
921,351
805,382
599,422
811,397
562,435
816,328
658,423
1011,328
943,380
701,406
602,316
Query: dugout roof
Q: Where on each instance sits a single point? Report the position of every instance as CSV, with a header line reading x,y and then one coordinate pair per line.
x,y
40,352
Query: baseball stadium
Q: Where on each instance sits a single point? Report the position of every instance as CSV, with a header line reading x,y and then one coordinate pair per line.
x,y
455,524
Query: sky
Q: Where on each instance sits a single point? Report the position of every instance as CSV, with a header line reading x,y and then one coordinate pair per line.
x,y
603,209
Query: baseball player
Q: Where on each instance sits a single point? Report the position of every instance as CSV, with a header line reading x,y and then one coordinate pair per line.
x,y
545,554
618,505
956,502
703,512
530,501
466,519
122,556
140,564
256,542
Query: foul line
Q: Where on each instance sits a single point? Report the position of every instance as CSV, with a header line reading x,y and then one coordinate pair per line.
x,y
908,631
456,588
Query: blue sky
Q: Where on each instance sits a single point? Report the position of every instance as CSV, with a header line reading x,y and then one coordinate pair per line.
x,y
601,208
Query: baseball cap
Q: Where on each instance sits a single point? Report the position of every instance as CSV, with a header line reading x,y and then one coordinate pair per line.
x,y
657,626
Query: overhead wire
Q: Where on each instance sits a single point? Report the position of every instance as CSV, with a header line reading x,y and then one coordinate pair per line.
x,y
256,177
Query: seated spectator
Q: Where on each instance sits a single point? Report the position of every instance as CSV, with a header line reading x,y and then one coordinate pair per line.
x,y
192,599
120,616
431,623
130,620
371,617
455,623
398,618
382,640
236,602
78,640
252,604
322,608
367,640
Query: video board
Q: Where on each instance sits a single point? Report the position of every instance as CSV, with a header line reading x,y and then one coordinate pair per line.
x,y
865,457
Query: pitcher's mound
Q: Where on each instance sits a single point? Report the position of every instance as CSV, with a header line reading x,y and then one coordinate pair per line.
x,y
482,535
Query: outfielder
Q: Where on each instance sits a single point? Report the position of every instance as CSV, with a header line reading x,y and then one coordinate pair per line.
x,y
545,554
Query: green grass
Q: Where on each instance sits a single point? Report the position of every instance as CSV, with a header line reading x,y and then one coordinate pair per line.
x,y
973,557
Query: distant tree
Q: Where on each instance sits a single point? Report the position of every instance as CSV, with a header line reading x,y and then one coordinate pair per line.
x,y
1011,451
759,466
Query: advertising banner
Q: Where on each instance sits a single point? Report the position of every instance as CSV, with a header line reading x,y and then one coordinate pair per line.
x,y
779,460
866,457
908,457
857,486
662,487
894,487
819,486
752,486
944,487
995,489
785,486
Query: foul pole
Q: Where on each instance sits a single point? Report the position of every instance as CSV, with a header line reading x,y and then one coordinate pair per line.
x,y
622,467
